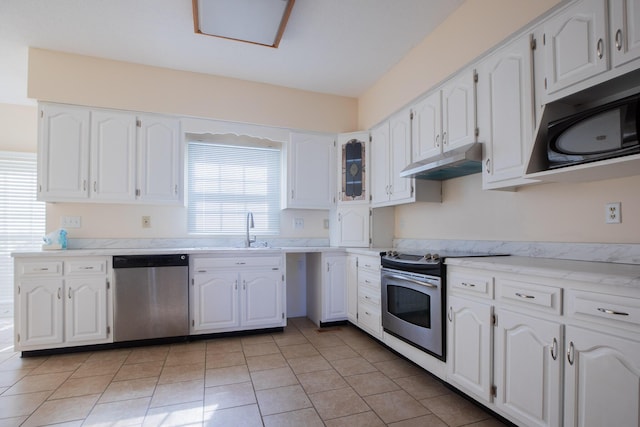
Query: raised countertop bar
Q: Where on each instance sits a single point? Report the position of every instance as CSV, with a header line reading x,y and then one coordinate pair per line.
x,y
602,273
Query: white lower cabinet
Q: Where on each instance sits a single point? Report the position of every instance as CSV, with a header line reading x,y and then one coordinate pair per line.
x,y
527,368
236,293
470,348
327,287
544,352
62,303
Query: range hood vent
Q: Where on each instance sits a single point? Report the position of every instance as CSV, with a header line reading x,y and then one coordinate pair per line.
x,y
461,161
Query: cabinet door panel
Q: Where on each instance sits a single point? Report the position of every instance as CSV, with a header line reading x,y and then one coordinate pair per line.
x,y
40,305
525,351
335,289
458,112
379,171
159,160
575,44
262,298
85,309
64,153
602,380
113,139
470,341
215,301
400,156
352,288
353,224
624,31
311,176
427,127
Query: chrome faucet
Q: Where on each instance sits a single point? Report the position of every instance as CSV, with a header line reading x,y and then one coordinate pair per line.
x,y
250,224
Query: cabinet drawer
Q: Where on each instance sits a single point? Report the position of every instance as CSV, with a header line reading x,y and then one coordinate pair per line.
x,y
369,295
369,263
202,265
370,279
369,318
473,284
85,266
606,309
39,268
532,295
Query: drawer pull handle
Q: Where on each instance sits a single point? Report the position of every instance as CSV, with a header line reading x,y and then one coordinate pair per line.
x,y
554,349
570,355
521,295
600,48
366,297
69,293
449,314
44,269
240,263
608,311
367,281
618,39
367,265
86,268
59,293
202,271
468,285
367,313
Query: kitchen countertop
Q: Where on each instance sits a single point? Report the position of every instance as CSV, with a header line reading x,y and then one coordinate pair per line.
x,y
600,273
190,251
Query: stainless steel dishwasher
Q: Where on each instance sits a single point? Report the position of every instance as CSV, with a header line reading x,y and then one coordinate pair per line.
x,y
151,296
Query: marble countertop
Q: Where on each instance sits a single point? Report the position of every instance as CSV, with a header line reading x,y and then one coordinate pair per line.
x,y
604,273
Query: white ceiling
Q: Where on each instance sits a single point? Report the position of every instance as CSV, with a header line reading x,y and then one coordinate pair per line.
x,y
331,46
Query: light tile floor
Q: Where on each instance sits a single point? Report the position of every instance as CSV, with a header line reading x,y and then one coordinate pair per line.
x,y
300,377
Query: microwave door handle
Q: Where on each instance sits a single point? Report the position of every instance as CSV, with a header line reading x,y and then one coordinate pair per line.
x,y
417,282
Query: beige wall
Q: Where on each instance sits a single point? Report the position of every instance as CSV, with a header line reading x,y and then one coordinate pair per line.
x,y
471,30
84,80
549,212
18,128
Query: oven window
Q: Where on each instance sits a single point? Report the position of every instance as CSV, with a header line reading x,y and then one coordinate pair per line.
x,y
409,305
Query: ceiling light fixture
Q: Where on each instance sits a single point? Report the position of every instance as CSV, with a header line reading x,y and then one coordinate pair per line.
x,y
254,21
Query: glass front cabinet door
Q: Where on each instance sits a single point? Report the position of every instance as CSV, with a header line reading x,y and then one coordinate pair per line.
x,y
353,167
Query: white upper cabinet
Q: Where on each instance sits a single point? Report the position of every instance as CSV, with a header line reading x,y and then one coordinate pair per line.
x,y
575,42
624,29
97,155
113,155
427,127
159,159
352,226
63,153
390,154
459,111
505,114
310,171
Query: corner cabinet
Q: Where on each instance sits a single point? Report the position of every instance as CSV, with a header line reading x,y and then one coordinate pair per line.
x,y
95,155
327,287
236,293
505,114
310,175
62,303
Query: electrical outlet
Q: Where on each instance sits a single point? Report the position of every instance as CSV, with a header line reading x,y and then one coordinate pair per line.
x,y
70,222
146,222
325,223
298,223
612,213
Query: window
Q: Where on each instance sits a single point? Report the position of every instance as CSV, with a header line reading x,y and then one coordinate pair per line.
x,y
229,176
22,218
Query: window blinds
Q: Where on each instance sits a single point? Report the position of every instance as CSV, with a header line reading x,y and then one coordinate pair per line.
x,y
22,218
225,182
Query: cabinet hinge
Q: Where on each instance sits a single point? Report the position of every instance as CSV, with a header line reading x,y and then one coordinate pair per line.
x,y
138,123
357,314
370,212
334,142
412,191
18,337
532,42
328,267
193,281
494,391
108,284
193,323
108,330
370,138
475,76
357,261
283,315
41,113
370,240
494,320
544,39
137,192
40,188
18,290
477,132
545,83
411,116
370,197
283,277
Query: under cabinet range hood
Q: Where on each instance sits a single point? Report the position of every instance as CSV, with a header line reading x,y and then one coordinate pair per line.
x,y
461,161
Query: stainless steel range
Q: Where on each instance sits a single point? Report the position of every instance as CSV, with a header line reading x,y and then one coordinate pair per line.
x,y
414,297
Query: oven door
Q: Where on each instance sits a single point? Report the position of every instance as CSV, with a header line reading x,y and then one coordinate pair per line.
x,y
412,309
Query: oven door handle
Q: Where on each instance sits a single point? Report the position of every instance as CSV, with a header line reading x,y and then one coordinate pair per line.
x,y
406,279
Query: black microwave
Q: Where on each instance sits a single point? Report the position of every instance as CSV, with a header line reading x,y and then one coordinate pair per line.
x,y
603,132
